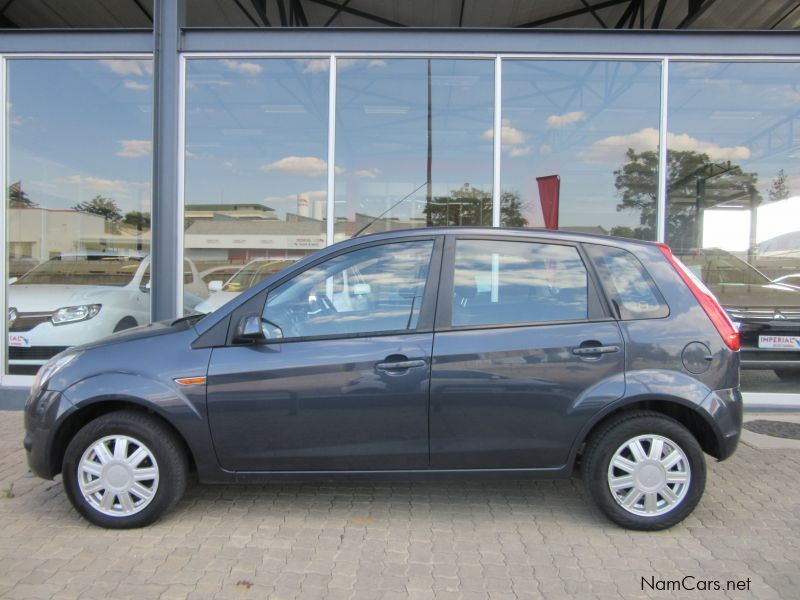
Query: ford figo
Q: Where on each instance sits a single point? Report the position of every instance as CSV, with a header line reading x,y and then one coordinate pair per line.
x,y
426,352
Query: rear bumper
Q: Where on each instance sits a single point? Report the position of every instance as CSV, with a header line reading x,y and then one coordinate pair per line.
x,y
723,411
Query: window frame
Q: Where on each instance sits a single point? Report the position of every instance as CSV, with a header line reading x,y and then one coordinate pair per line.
x,y
425,321
597,309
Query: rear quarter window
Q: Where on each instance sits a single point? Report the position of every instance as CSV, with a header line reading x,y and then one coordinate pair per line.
x,y
627,284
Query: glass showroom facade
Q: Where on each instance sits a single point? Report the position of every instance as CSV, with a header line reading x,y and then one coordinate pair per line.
x,y
281,153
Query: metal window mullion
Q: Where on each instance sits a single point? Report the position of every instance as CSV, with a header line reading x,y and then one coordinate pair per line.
x,y
331,205
4,183
661,201
497,140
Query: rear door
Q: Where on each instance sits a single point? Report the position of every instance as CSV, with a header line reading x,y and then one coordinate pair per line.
x,y
524,352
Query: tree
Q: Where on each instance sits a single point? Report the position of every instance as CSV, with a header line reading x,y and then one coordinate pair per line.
x,y
469,205
779,189
137,219
100,205
17,198
693,181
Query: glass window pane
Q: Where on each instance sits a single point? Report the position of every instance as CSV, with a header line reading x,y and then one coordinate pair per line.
x,y
413,144
376,289
256,168
580,145
517,282
733,203
79,172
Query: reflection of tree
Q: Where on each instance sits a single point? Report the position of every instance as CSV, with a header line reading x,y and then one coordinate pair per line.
x,y
779,189
694,183
469,205
17,198
100,205
137,219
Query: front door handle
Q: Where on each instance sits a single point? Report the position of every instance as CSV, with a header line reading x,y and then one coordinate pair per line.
x,y
594,350
400,365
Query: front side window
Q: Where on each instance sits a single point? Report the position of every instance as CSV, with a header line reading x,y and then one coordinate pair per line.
x,y
371,290
517,282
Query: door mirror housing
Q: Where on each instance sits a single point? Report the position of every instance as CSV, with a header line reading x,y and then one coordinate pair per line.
x,y
252,329
215,286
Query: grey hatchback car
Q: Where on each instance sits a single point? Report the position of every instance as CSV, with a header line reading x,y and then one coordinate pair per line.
x,y
424,352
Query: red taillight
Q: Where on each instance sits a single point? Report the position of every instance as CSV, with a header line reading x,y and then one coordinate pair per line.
x,y
715,312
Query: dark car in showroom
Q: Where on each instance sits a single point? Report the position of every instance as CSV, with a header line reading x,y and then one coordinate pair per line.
x,y
766,313
425,352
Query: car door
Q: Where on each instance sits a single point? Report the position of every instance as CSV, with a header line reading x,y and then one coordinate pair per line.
x,y
346,387
524,353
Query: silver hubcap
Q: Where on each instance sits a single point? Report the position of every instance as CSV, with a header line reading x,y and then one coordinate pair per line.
x,y
118,475
649,475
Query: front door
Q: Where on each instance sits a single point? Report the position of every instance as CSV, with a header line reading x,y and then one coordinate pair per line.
x,y
523,355
346,387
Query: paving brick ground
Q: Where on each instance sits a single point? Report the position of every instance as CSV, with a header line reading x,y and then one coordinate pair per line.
x,y
443,539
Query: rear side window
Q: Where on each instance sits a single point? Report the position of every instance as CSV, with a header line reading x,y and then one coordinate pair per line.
x,y
626,283
517,282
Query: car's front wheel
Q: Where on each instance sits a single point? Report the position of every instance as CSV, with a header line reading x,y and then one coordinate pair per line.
x,y
644,470
124,469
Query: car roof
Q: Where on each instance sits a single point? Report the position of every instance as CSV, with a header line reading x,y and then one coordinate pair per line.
x,y
572,236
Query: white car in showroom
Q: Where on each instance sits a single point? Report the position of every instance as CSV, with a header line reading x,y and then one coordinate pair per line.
x,y
76,298
256,270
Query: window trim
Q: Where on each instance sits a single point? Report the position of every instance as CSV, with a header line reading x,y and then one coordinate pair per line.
x,y
427,309
444,313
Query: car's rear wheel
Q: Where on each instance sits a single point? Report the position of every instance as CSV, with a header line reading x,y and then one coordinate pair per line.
x,y
644,471
792,375
124,469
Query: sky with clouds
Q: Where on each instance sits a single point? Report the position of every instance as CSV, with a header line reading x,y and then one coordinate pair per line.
x,y
257,129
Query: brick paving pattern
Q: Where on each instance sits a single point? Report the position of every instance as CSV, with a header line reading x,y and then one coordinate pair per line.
x,y
401,539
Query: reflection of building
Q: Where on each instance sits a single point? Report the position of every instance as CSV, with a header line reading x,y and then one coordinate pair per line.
x,y
231,211
39,233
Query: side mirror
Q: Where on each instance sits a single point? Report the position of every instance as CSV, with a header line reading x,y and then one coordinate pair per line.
x,y
215,286
145,288
253,329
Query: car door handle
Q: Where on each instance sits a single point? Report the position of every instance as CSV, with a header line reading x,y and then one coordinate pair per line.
x,y
594,350
400,365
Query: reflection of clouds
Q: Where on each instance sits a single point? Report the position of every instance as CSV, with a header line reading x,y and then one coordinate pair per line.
x,y
126,67
308,166
559,121
368,173
136,85
322,65
512,139
134,148
243,68
613,148
100,184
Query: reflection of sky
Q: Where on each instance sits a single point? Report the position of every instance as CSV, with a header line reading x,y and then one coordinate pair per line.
x,y
79,128
256,132
576,119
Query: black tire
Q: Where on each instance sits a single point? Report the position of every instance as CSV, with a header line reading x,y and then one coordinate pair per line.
x,y
166,450
126,323
604,443
791,375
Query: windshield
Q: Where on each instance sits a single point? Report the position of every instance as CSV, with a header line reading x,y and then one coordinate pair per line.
x,y
716,267
84,270
253,273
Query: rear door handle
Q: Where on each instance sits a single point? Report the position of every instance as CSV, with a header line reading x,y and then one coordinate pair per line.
x,y
594,350
400,365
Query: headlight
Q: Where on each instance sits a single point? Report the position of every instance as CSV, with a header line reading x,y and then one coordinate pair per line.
x,y
50,368
70,314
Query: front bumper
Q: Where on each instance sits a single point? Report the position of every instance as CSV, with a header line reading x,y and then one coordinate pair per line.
x,y
43,413
723,411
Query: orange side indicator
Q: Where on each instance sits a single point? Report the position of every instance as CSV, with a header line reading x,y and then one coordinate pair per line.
x,y
190,380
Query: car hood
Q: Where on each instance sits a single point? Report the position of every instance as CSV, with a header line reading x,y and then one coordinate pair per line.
x,y
47,298
141,332
773,295
214,301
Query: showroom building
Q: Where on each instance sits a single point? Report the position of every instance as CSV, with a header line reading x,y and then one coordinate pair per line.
x,y
154,147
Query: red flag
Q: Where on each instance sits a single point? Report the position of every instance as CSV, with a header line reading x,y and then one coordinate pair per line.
x,y
549,191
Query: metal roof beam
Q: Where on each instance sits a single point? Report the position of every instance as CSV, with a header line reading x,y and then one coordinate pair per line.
x,y
571,13
358,13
